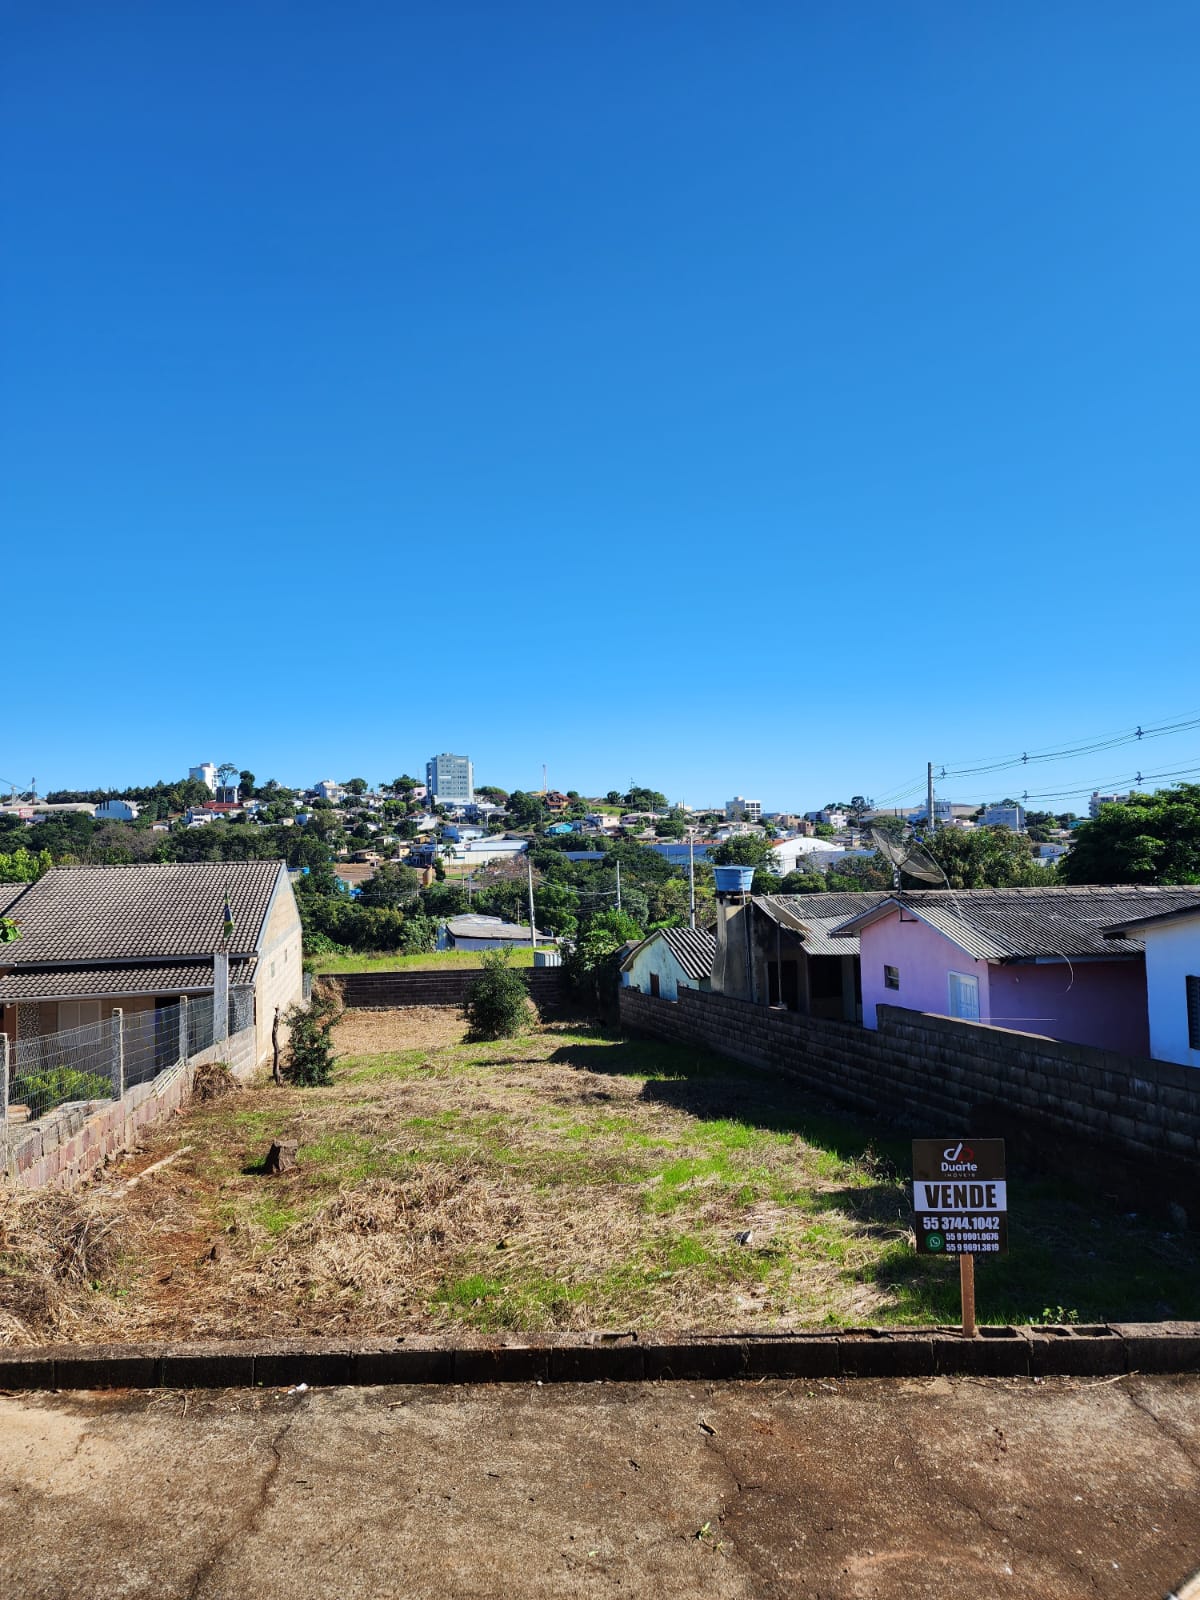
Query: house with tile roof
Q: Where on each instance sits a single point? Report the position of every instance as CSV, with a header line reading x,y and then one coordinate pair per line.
x,y
1035,960
141,937
670,959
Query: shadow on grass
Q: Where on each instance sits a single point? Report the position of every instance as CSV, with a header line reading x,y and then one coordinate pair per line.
x,y
710,1087
1072,1252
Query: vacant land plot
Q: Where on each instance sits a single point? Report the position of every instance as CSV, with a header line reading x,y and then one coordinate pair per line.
x,y
566,1180
431,961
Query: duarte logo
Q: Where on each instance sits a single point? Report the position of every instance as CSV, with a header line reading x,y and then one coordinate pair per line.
x,y
959,1158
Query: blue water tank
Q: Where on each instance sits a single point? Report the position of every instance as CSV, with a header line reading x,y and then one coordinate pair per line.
x,y
733,880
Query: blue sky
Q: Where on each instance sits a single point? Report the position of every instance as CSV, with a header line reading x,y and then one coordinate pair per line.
x,y
759,399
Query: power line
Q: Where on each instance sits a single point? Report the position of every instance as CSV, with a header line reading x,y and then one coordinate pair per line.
x,y
1098,742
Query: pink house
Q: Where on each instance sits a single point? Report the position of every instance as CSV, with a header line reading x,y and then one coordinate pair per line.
x,y
1031,959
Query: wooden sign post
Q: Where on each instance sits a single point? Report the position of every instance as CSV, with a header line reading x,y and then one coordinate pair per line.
x,y
960,1201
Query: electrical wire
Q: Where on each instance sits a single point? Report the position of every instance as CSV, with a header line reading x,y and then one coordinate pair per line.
x,y
1039,756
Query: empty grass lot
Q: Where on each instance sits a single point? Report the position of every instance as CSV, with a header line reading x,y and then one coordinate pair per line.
x,y
566,1180
433,961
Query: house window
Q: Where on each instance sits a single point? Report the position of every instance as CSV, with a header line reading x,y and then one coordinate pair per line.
x,y
654,984
1193,1012
964,996
891,977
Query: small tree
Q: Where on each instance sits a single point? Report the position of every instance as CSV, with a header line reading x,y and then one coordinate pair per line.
x,y
310,1048
497,1003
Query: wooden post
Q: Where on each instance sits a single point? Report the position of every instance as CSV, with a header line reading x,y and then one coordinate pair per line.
x,y
966,1282
275,1072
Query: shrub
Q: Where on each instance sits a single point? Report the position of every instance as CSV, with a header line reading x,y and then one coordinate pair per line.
x,y
497,1003
42,1091
310,1048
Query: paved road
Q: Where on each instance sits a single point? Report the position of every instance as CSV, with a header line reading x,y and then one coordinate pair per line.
x,y
809,1490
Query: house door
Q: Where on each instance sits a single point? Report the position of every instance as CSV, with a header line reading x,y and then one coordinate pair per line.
x,y
964,996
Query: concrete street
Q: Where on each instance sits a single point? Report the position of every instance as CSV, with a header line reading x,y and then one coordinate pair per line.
x,y
813,1490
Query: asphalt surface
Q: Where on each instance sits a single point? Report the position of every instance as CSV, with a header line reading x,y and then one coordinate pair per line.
x,y
812,1489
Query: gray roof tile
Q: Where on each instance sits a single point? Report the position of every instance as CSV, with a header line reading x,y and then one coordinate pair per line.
x,y
66,983
160,911
10,893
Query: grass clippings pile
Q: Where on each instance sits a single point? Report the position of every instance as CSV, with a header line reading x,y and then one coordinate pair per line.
x,y
559,1181
55,1249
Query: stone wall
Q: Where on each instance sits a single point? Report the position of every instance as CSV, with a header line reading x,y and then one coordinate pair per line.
x,y
62,1148
1130,1122
445,986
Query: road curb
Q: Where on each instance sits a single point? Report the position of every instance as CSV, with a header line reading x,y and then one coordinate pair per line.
x,y
612,1356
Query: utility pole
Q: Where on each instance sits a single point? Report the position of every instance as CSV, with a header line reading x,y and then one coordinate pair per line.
x,y
618,886
692,879
929,793
532,920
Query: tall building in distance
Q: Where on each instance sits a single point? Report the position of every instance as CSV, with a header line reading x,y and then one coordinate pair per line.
x,y
739,809
204,773
450,779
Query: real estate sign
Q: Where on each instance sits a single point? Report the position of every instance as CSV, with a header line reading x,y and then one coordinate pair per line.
x,y
960,1197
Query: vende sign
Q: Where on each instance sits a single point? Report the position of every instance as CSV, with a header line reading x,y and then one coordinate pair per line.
x,y
960,1197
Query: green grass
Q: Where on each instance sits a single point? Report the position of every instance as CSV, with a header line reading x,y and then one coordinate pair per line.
x,y
433,961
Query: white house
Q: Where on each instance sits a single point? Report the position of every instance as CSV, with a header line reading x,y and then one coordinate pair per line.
x,y
117,811
1172,940
328,790
668,960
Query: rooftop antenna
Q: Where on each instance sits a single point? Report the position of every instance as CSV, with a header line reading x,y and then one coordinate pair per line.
x,y
906,854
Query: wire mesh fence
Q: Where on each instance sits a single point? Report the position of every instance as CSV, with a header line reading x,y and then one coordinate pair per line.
x,y
101,1059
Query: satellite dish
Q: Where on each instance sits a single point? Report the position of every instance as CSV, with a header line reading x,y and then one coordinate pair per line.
x,y
908,855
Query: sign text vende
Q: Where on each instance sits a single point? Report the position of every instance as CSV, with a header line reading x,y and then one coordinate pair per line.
x,y
952,1197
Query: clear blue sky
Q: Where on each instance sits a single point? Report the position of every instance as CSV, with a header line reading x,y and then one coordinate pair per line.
x,y
756,399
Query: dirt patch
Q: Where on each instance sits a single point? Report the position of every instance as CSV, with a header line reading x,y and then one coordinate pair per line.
x,y
410,1028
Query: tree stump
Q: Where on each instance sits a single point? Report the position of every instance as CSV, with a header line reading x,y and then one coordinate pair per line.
x,y
280,1157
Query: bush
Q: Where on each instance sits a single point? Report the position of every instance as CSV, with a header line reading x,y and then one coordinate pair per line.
x,y
497,1003
45,1090
310,1048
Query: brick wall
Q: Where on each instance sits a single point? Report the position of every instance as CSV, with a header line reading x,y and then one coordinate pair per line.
x,y
444,987
68,1144
1130,1122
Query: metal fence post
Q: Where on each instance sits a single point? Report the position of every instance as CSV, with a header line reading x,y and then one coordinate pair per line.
x,y
118,1053
184,1042
3,1077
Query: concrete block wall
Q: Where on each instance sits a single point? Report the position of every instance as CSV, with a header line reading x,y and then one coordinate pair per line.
x,y
70,1143
1132,1122
440,987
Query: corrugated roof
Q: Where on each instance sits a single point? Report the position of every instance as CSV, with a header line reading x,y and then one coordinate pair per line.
x,y
814,917
1021,924
478,927
693,948
159,911
70,983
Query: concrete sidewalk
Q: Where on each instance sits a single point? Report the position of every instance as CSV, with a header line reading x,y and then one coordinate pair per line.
x,y
814,1489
